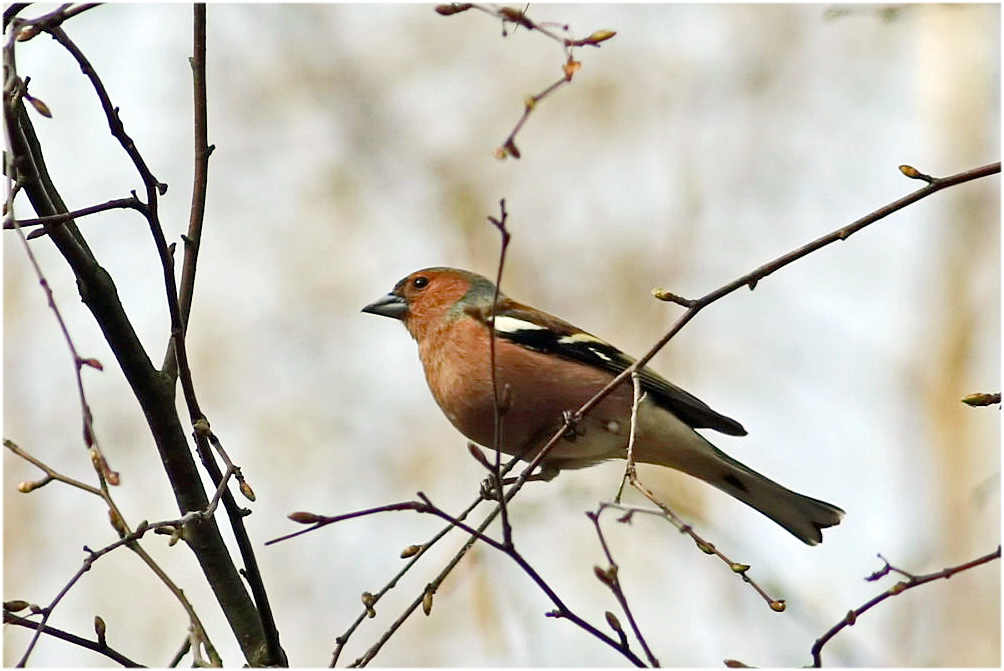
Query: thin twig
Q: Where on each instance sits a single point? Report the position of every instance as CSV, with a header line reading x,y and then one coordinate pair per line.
x,y
561,610
631,476
128,538
909,582
151,388
50,473
54,18
499,395
705,546
572,418
568,44
749,279
431,587
630,472
79,362
96,646
119,203
341,640
611,578
508,147
344,637
200,179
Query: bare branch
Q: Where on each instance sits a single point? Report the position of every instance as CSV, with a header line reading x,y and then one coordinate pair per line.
x,y
99,646
203,150
79,362
611,578
571,419
497,394
128,538
569,67
133,203
425,505
909,582
154,390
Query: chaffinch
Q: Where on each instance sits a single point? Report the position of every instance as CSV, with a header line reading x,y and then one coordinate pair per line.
x,y
546,367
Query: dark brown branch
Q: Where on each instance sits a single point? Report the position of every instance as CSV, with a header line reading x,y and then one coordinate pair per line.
x,y
498,394
154,391
55,18
750,279
274,654
201,177
129,538
562,611
97,646
424,505
611,578
115,126
154,189
569,68
176,357
909,582
572,418
235,515
341,640
133,203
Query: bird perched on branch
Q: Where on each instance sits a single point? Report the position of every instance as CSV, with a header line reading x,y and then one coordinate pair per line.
x,y
544,368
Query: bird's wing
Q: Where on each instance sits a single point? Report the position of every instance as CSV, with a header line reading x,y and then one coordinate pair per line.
x,y
560,338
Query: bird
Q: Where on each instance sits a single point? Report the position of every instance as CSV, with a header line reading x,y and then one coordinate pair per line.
x,y
545,368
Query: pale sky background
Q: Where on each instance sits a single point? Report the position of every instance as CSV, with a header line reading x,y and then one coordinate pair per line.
x,y
354,144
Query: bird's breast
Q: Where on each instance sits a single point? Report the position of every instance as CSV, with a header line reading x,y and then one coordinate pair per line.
x,y
535,390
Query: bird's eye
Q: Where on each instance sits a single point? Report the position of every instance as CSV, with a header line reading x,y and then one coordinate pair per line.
x,y
420,282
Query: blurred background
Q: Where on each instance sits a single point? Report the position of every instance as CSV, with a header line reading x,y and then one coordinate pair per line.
x,y
354,144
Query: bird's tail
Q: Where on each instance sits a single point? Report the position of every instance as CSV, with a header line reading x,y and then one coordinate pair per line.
x,y
802,516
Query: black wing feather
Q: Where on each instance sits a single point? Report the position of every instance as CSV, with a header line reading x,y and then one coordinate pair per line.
x,y
595,352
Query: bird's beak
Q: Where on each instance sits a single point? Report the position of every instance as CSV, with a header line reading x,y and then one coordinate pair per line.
x,y
388,306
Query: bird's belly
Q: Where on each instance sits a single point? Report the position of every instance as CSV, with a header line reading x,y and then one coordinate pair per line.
x,y
525,430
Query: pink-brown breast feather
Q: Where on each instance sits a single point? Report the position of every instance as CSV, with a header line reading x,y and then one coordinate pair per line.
x,y
539,388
